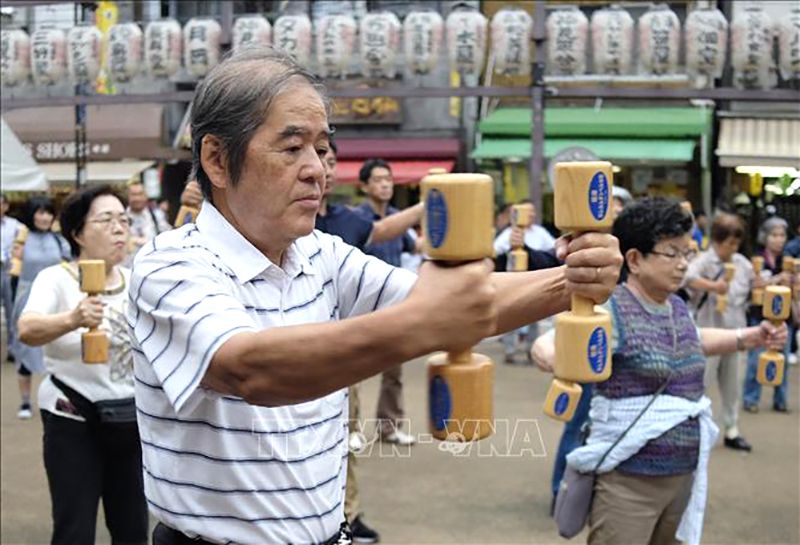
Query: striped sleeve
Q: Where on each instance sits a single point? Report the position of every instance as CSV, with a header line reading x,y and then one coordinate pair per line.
x,y
365,283
181,310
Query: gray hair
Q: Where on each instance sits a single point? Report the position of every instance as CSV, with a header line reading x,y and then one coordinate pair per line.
x,y
234,99
768,226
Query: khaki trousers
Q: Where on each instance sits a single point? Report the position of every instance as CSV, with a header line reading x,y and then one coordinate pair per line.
x,y
352,500
724,370
390,402
637,510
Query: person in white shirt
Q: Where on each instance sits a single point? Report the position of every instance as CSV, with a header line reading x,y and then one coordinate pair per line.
x,y
91,442
536,237
248,325
146,222
9,227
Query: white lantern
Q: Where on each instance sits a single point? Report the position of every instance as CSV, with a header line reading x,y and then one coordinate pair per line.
x,y
466,42
380,43
83,53
124,55
706,38
48,56
163,48
292,34
422,33
336,41
751,43
201,49
612,41
252,29
567,34
511,42
15,56
659,40
789,45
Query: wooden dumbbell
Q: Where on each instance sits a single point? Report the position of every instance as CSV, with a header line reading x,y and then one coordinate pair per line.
x,y
186,214
17,249
757,295
522,217
771,364
458,226
94,343
728,272
582,353
788,266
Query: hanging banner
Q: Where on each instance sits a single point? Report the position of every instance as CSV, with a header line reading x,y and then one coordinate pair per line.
x,y
105,17
201,47
422,33
292,34
659,41
511,42
567,33
466,42
163,48
706,42
48,56
83,53
251,29
612,41
380,43
15,57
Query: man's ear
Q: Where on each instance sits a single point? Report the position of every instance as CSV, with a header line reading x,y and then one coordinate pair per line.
x,y
633,258
215,161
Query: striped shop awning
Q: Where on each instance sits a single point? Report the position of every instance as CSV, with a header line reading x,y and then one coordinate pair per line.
x,y
759,142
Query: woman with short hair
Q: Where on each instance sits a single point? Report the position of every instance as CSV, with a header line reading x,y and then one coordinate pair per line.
x,y
91,440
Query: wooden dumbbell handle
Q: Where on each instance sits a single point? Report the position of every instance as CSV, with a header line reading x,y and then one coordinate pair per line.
x,y
582,306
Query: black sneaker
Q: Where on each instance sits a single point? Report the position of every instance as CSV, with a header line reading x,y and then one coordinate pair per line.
x,y
738,443
363,533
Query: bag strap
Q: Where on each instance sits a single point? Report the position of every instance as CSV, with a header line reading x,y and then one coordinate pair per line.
x,y
706,294
635,420
86,408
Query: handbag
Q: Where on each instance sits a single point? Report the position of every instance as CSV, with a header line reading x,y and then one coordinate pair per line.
x,y
576,490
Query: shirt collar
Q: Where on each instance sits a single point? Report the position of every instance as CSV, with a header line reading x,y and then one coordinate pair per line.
x,y
245,260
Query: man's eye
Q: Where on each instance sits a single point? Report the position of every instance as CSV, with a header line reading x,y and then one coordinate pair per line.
x,y
294,149
322,152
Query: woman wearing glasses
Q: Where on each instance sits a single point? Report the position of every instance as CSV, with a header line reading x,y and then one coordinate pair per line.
x,y
43,248
91,441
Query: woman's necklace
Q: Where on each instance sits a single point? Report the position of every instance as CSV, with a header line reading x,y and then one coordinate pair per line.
x,y
72,268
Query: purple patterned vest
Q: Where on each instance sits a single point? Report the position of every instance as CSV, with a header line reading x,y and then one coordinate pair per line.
x,y
649,346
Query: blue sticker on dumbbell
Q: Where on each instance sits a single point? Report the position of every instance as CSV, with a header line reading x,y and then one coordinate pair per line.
x,y
598,196
598,350
440,403
772,371
777,306
561,404
436,215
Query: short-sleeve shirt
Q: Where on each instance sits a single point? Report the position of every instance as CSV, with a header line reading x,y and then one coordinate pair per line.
x,y
536,238
348,224
709,266
391,250
214,465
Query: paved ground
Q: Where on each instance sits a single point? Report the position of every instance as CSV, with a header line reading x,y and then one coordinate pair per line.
x,y
431,496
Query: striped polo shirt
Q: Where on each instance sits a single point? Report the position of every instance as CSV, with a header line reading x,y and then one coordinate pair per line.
x,y
215,466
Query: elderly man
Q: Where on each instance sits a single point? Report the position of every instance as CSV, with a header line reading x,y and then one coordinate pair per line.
x,y
146,222
248,325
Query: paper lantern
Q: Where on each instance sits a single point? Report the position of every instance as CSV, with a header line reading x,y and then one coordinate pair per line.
x,y
612,41
15,56
659,41
292,34
163,48
336,41
511,42
201,48
48,56
789,45
706,38
252,29
422,33
751,44
567,34
124,52
83,53
466,42
380,43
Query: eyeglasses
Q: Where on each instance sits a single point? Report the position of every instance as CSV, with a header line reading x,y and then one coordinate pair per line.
x,y
675,255
107,221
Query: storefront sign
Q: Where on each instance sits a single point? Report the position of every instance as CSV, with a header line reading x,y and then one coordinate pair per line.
x,y
377,110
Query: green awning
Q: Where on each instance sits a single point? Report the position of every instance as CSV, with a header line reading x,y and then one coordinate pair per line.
x,y
603,122
615,150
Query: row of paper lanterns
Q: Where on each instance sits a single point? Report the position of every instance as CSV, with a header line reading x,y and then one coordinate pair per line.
x,y
50,55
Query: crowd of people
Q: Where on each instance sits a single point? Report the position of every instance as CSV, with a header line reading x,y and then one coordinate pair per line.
x,y
229,405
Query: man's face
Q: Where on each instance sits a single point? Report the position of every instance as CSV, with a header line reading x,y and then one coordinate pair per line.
x,y
330,171
137,198
380,185
283,176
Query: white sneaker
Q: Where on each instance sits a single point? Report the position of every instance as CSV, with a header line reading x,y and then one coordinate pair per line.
x,y
25,412
356,442
792,359
398,437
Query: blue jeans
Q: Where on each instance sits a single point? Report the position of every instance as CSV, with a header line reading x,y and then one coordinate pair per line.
x,y
571,436
752,389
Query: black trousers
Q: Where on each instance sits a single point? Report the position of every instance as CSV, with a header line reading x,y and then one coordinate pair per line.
x,y
164,535
86,463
